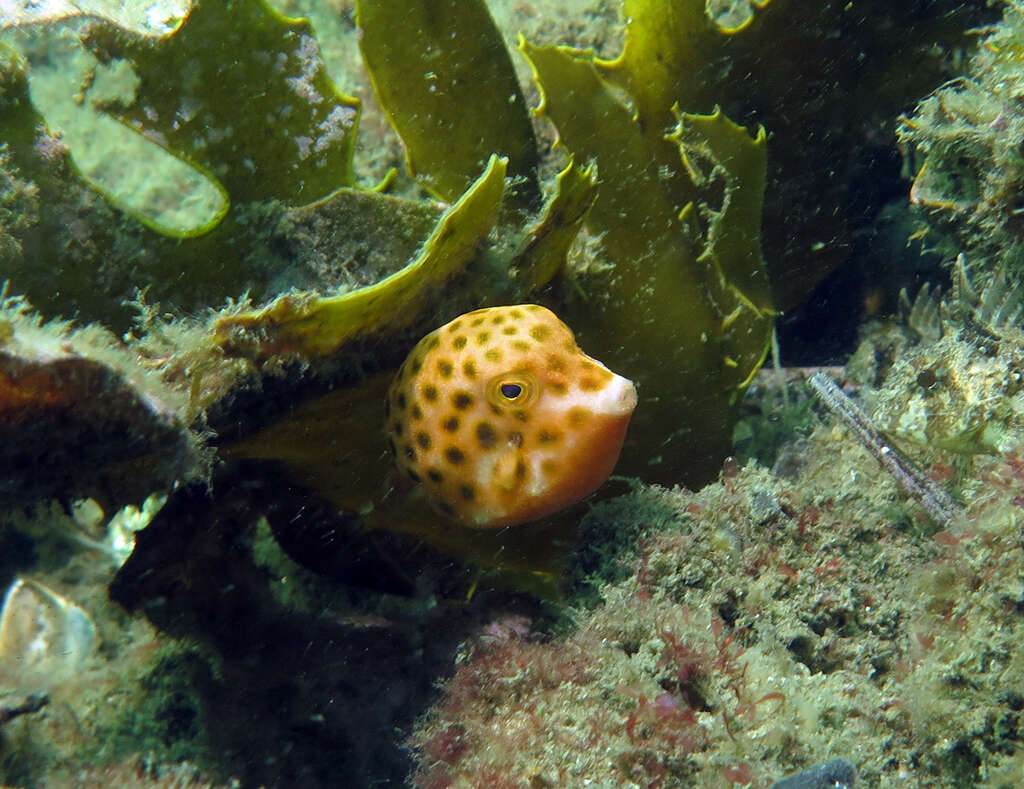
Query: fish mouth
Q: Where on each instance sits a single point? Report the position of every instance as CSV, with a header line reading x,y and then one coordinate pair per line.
x,y
619,397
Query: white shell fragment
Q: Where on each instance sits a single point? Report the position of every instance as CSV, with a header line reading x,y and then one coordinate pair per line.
x,y
120,530
43,635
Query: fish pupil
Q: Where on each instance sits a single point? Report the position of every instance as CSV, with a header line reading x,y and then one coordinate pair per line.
x,y
511,391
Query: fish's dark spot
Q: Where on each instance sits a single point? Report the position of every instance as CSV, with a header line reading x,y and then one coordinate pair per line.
x,y
446,508
469,368
435,476
462,400
416,411
412,475
392,447
410,453
486,435
549,467
483,337
468,492
454,455
578,415
493,355
423,439
416,366
540,332
497,320
400,401
559,388
515,438
570,346
397,427
521,415
556,363
477,322
510,330
454,326
520,469
589,384
451,424
496,411
516,315
445,368
521,345
533,308
434,342
459,342
430,393
545,436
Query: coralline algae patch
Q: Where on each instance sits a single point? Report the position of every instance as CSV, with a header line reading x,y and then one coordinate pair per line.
x,y
770,627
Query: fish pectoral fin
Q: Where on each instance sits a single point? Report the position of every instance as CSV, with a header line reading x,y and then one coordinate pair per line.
x,y
510,471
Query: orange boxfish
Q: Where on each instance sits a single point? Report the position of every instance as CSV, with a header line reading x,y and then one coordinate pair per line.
x,y
503,419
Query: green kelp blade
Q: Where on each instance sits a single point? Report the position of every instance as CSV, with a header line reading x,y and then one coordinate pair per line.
x,y
184,219
666,313
674,53
636,215
66,267
443,76
707,142
671,52
547,244
241,92
310,325
20,125
714,149
335,443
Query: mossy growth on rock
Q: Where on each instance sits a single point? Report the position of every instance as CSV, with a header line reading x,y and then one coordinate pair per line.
x,y
764,624
964,154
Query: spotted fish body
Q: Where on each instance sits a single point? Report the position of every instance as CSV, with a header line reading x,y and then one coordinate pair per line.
x,y
503,419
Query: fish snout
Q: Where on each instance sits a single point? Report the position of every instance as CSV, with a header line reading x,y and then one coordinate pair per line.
x,y
619,397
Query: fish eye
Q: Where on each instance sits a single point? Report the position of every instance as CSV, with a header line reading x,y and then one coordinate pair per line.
x,y
515,388
510,391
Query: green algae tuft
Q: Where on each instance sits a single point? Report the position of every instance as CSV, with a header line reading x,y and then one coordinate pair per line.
x,y
963,154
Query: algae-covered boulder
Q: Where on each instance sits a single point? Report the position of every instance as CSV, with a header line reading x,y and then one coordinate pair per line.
x,y
80,416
